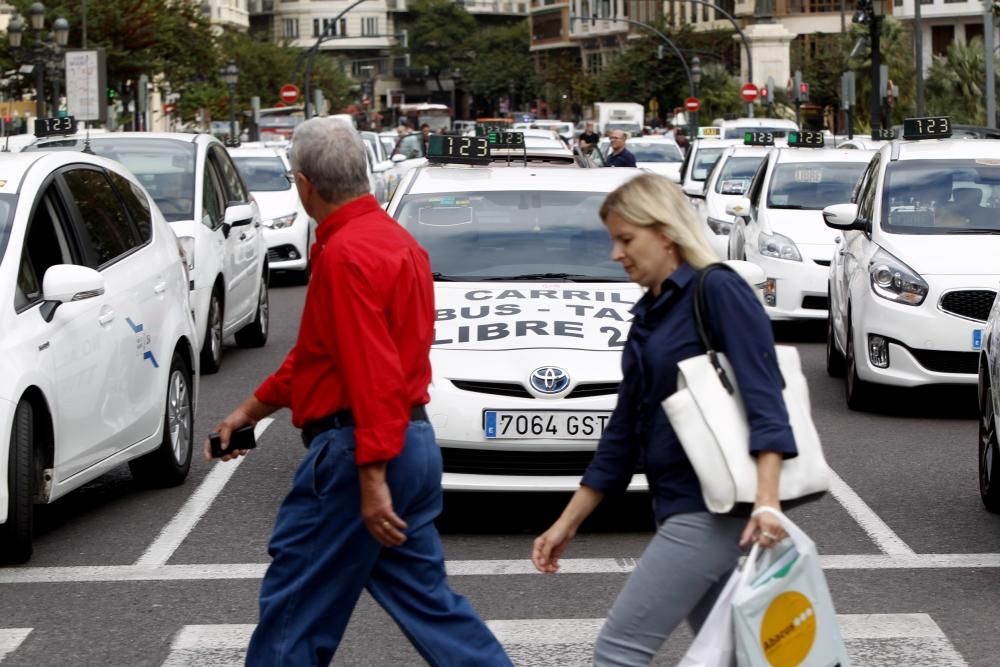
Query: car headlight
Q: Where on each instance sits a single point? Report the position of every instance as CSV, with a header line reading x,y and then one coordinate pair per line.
x,y
721,227
186,245
779,247
281,221
893,280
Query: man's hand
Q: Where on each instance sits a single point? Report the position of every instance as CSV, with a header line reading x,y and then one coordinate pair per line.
x,y
248,413
376,506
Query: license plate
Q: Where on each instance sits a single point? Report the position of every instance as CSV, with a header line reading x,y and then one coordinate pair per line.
x,y
977,339
538,424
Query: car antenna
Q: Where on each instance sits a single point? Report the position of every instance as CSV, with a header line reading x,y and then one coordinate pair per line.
x,y
86,142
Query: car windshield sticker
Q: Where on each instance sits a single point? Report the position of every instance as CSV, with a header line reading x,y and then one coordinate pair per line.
x,y
524,317
808,176
143,342
734,187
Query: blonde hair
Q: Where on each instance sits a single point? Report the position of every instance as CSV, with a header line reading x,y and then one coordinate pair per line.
x,y
650,200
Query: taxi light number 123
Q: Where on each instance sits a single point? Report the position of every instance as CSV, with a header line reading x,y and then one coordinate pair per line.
x,y
933,125
465,145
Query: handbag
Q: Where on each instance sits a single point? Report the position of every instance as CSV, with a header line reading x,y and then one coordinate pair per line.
x,y
709,418
782,611
714,645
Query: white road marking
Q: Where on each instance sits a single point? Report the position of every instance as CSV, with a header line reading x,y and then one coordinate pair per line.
x,y
174,533
456,568
872,640
10,639
878,530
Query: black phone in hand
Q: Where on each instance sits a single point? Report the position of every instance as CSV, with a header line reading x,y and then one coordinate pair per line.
x,y
241,438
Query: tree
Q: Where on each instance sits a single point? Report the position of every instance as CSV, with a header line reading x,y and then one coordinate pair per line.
x,y
439,33
956,82
897,52
505,68
719,93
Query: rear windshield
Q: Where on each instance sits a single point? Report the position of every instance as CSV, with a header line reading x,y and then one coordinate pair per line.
x,y
813,185
263,174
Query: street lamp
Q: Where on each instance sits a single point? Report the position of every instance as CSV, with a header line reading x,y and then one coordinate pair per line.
x,y
872,12
42,51
231,76
696,80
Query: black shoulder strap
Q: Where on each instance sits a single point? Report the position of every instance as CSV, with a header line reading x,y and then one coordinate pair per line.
x,y
703,332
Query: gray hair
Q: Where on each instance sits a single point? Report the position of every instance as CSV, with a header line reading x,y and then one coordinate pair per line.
x,y
331,154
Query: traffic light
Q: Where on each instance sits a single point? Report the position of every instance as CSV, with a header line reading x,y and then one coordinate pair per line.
x,y
803,92
765,96
112,94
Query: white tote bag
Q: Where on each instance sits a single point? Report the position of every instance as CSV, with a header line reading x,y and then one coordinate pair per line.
x,y
708,416
783,615
714,646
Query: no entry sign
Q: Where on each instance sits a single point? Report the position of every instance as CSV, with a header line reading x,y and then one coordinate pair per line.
x,y
692,104
289,93
748,92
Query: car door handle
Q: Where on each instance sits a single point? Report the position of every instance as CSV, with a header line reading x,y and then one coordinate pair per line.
x,y
160,288
106,318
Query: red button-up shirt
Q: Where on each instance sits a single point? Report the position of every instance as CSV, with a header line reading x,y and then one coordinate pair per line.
x,y
366,332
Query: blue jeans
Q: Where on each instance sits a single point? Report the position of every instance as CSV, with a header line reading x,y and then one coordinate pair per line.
x,y
324,556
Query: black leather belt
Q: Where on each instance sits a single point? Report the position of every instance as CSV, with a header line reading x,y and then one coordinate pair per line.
x,y
345,419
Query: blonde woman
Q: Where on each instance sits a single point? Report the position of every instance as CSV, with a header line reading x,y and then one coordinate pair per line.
x,y
657,240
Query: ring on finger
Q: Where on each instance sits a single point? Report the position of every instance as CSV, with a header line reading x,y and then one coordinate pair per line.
x,y
768,536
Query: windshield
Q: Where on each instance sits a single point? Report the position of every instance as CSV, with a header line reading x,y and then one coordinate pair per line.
x,y
737,132
512,235
7,205
813,185
942,197
263,174
655,152
734,179
704,160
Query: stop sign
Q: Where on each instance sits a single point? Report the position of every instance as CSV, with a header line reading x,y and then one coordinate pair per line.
x,y
748,92
692,104
289,94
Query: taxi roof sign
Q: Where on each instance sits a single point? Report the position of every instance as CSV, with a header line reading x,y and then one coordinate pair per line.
x,y
806,139
884,134
49,127
710,132
758,138
452,149
931,127
505,139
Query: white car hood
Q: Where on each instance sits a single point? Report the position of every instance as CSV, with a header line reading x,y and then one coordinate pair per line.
x,y
276,204
671,170
803,227
488,316
939,254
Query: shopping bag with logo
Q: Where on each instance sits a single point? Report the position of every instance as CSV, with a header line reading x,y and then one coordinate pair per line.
x,y
783,614
713,645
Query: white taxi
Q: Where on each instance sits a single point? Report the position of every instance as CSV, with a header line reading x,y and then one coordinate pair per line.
x,y
779,225
203,197
705,151
288,229
660,155
532,315
99,356
727,182
916,273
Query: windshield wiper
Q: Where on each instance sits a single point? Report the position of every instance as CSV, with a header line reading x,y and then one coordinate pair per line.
x,y
569,277
443,278
793,207
973,231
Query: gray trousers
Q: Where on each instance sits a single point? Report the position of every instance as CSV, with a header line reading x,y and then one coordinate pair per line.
x,y
679,576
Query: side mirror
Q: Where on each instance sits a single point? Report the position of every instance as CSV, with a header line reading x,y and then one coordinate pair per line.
x,y
696,190
68,282
738,208
398,157
843,217
238,215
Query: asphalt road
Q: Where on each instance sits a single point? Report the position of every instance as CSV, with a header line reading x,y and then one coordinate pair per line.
x,y
130,576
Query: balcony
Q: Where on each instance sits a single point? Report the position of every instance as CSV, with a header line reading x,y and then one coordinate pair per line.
x,y
261,7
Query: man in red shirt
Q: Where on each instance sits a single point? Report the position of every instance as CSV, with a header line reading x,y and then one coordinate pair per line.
x,y
361,511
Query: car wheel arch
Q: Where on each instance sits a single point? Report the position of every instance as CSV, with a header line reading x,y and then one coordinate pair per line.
x,y
44,438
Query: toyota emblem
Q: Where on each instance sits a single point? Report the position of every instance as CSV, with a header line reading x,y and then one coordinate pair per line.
x,y
549,380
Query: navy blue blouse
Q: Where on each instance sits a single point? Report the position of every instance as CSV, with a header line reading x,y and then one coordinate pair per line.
x,y
664,333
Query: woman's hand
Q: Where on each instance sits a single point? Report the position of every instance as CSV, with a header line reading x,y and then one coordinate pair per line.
x,y
764,529
550,545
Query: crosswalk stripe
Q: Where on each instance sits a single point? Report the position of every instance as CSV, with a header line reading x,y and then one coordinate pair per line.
x,y
872,640
10,639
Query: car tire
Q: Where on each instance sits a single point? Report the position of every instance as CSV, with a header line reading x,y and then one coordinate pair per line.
x,y
16,532
857,392
168,464
211,347
836,364
989,452
255,333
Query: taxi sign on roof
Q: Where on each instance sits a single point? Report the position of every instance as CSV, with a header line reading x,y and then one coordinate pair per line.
x,y
506,139
936,127
711,132
805,139
48,127
883,134
484,129
444,148
758,138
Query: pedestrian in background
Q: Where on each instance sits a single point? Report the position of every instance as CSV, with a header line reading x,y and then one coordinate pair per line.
x,y
618,155
361,511
656,237
588,135
425,138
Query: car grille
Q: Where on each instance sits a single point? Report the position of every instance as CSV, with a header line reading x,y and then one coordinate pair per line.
x,y
815,303
947,362
505,462
518,390
972,304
